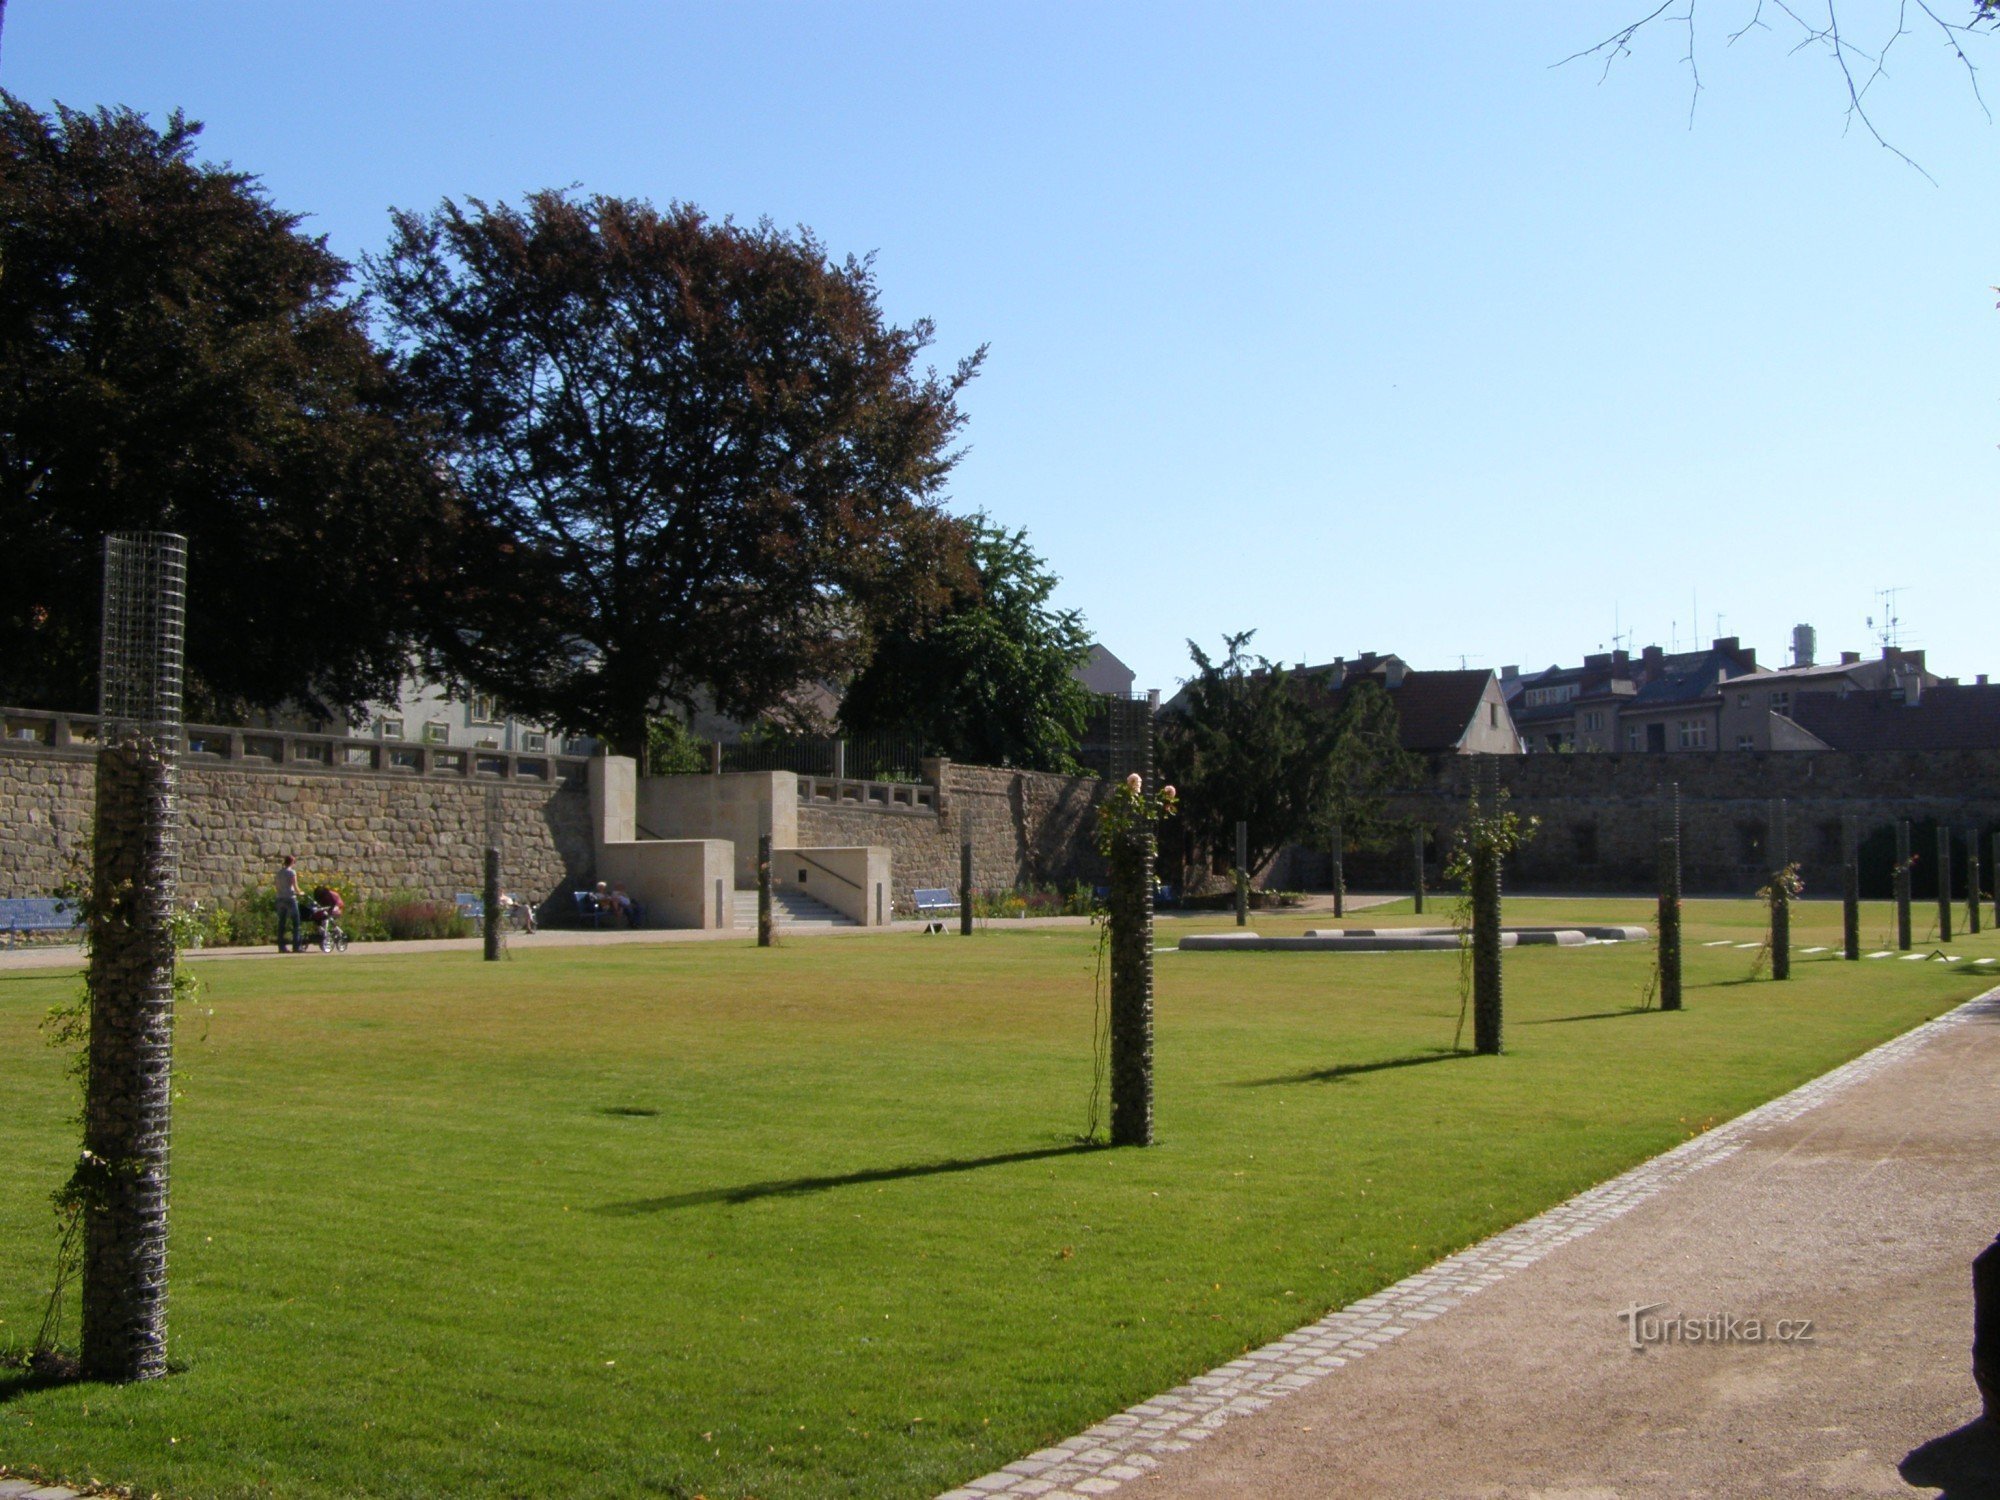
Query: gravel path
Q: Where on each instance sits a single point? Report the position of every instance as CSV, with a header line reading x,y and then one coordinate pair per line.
x,y
1509,1372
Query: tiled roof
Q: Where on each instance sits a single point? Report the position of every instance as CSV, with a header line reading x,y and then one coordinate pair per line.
x,y
1434,709
1961,717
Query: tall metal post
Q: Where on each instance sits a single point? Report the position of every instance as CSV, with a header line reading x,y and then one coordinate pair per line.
x,y
1486,987
1242,873
1670,902
766,925
965,885
1995,867
1781,893
491,926
1972,881
1902,875
1850,888
135,871
1944,883
1417,869
1338,847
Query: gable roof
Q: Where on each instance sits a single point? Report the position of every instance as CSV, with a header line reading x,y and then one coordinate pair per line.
x,y
1947,717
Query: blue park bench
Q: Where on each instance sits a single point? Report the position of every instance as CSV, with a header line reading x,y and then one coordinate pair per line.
x,y
19,914
932,904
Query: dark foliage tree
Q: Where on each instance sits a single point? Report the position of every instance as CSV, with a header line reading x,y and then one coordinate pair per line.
x,y
175,355
1280,753
987,678
694,457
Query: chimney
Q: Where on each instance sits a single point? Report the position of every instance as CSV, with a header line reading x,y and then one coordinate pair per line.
x,y
1651,658
1849,658
1981,679
1724,645
1508,674
1597,661
1805,641
1620,658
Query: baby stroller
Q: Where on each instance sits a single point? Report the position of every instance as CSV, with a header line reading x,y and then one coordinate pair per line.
x,y
324,911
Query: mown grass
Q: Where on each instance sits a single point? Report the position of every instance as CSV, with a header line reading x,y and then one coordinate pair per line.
x,y
703,1220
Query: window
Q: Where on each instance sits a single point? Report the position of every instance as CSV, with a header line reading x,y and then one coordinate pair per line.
x,y
488,743
391,729
484,709
1693,734
534,743
437,732
1542,697
1635,737
1781,704
1742,700
1745,742
1493,715
1593,720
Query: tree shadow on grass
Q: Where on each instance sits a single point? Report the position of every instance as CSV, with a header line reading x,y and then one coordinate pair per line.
x,y
22,1374
793,1187
1351,1070
1600,1015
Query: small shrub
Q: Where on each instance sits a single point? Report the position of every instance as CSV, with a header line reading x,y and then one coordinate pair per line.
x,y
404,920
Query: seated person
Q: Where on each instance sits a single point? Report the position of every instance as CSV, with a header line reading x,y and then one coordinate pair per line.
x,y
624,908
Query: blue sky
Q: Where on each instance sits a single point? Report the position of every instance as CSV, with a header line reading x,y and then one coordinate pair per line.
x,y
1362,326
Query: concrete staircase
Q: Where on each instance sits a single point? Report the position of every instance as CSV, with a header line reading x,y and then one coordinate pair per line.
x,y
791,910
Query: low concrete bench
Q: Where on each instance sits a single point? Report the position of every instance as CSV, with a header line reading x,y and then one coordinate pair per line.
x,y
932,905
19,914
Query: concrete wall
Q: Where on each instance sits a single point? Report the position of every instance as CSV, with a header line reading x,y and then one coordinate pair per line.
x,y
740,807
854,881
688,882
380,831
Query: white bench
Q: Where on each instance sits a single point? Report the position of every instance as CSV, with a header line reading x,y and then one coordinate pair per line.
x,y
932,904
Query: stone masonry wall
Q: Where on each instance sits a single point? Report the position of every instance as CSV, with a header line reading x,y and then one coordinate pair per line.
x,y
381,832
1599,815
1028,828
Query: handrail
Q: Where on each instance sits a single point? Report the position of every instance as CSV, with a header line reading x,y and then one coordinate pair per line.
x,y
825,871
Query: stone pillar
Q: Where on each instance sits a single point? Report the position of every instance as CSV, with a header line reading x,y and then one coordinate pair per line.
x,y
1781,895
765,925
128,1098
1339,871
1486,920
1902,877
1417,869
1850,888
1242,873
1131,940
490,901
1669,955
1944,883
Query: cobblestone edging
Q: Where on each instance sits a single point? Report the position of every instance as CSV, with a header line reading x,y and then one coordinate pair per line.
x,y
1125,1446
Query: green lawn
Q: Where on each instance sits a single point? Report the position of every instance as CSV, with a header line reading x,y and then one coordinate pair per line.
x,y
699,1219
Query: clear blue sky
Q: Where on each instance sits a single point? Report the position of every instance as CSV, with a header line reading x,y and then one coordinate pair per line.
x,y
1359,325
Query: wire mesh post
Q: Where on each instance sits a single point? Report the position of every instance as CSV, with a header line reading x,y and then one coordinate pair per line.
x,y
1781,893
1972,882
1242,874
494,934
765,924
128,1094
1669,955
1486,989
1850,888
965,885
1338,847
1417,868
1131,944
1944,883
1994,866
1902,874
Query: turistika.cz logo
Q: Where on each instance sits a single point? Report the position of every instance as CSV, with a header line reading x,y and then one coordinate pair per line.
x,y
1646,1326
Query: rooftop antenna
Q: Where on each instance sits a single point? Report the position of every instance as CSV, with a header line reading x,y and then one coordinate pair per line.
x,y
1890,634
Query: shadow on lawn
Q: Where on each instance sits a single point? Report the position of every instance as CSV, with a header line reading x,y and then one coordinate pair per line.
x,y
791,1187
1350,1070
1600,1015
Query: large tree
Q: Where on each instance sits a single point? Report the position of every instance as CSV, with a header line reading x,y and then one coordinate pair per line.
x,y
988,677
1278,751
176,355
695,457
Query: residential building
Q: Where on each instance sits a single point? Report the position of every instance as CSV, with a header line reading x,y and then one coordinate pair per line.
x,y
1910,716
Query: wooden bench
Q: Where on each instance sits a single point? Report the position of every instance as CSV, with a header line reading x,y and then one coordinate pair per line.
x,y
932,904
19,914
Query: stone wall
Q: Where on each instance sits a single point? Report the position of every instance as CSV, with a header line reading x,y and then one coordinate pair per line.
x,y
1599,816
1028,829
381,831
